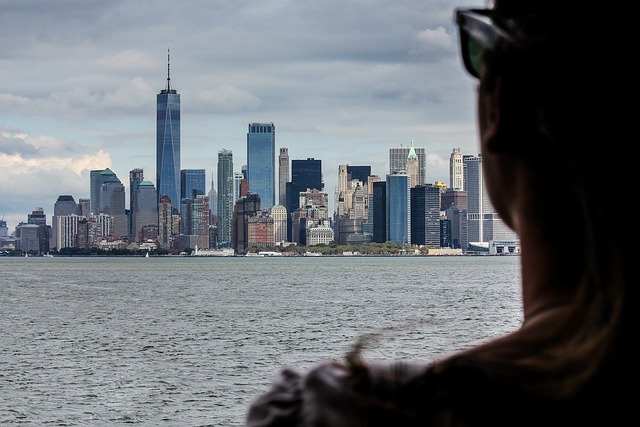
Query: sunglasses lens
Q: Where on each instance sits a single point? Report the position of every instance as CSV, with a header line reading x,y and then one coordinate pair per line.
x,y
473,54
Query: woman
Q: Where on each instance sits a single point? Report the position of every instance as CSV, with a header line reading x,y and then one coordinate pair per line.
x,y
547,141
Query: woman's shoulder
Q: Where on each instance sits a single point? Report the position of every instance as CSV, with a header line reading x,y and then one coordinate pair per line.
x,y
467,391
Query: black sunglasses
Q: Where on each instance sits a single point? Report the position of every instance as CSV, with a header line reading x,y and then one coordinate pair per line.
x,y
478,34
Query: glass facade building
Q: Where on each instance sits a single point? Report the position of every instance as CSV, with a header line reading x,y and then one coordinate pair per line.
x,y
261,162
94,190
361,173
192,183
146,213
112,202
398,208
168,145
425,215
98,177
483,224
305,175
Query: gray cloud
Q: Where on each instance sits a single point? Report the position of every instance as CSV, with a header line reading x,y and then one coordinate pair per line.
x,y
342,81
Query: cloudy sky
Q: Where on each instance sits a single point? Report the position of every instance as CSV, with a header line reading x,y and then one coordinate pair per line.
x,y
343,81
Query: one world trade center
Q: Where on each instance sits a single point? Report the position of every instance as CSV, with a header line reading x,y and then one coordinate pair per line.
x,y
168,144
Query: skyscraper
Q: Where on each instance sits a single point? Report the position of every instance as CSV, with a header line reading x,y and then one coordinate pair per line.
x,y
186,216
349,179
361,173
244,208
379,208
412,167
28,241
146,212
200,220
261,158
192,183
456,170
84,207
283,175
238,181
279,215
425,215
65,205
165,222
398,161
94,189
398,208
483,224
136,176
66,227
98,177
112,202
168,143
305,175
213,202
38,217
225,197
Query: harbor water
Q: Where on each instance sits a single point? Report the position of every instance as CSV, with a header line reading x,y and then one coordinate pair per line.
x,y
190,341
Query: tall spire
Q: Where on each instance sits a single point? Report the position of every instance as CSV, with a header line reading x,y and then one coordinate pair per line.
x,y
412,151
168,72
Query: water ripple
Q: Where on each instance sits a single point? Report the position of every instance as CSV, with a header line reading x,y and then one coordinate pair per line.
x,y
190,342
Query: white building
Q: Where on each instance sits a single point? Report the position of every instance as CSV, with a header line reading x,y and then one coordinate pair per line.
x,y
321,234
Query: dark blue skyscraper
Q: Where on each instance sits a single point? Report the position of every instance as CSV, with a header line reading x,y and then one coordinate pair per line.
x,y
261,162
425,215
398,208
305,175
168,144
192,183
379,207
361,173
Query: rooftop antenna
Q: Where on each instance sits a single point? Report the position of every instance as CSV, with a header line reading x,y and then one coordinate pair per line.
x,y
168,72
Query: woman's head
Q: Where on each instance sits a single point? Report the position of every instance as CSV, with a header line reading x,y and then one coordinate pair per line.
x,y
544,94
555,144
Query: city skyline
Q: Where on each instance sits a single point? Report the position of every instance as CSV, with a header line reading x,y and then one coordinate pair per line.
x,y
79,88
407,208
186,172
